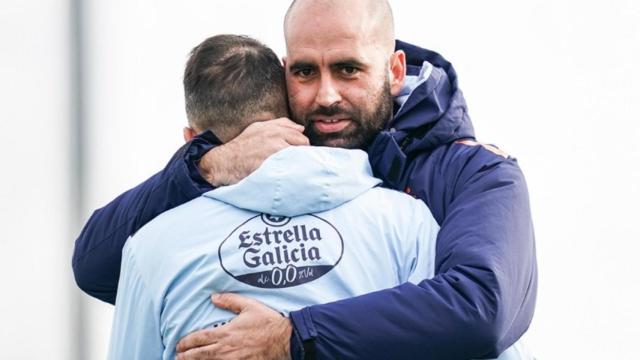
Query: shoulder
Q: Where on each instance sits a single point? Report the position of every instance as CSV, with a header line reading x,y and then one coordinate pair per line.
x,y
472,152
162,233
474,168
439,177
462,155
168,219
472,144
463,159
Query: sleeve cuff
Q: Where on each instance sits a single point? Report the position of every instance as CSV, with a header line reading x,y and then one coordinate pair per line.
x,y
303,335
296,348
199,146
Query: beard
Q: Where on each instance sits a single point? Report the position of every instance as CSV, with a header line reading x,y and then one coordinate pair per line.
x,y
364,126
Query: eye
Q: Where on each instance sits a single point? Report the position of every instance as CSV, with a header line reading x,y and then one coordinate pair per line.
x,y
349,70
304,72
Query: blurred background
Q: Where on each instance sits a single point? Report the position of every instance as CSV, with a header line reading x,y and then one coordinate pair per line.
x,y
92,104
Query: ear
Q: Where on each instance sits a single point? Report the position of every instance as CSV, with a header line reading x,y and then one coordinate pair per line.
x,y
188,134
398,70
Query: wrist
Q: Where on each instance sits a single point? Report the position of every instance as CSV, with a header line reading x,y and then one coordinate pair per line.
x,y
285,334
211,166
288,331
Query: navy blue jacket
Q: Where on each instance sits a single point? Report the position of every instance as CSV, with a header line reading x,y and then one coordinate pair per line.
x,y
483,295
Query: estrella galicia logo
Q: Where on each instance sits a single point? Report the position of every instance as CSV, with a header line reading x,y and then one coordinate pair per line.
x,y
274,220
269,251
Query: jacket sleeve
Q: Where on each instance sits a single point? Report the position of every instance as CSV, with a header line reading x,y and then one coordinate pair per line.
x,y
483,295
98,249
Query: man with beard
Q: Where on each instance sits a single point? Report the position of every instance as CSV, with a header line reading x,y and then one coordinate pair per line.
x,y
341,59
302,229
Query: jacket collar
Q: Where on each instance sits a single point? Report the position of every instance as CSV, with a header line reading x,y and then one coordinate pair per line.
x,y
431,111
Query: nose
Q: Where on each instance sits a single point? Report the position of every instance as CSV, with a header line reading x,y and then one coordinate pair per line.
x,y
327,94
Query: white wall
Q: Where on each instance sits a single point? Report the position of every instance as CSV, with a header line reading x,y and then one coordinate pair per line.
x,y
557,84
37,297
554,83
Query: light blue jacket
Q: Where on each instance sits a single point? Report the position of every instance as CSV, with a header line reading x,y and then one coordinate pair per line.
x,y
331,233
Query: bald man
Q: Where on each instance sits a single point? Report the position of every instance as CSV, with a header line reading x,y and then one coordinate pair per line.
x,y
331,72
352,86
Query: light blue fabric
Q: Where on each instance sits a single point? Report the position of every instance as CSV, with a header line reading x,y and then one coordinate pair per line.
x,y
301,180
332,234
411,82
517,351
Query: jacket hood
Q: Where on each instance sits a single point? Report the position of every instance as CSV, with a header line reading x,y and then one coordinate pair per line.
x,y
430,112
301,180
431,105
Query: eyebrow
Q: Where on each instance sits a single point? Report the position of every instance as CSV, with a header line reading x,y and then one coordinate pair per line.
x,y
299,65
348,62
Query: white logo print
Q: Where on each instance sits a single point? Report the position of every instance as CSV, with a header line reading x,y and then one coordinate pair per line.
x,y
270,251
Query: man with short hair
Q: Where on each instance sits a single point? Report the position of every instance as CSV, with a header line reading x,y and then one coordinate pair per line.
x,y
340,62
214,97
304,228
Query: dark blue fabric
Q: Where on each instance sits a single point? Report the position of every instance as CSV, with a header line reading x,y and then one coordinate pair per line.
x,y
483,295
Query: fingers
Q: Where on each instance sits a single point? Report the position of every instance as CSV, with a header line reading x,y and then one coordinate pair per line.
x,y
271,133
215,352
279,124
268,131
286,122
196,340
295,138
258,332
232,302
211,352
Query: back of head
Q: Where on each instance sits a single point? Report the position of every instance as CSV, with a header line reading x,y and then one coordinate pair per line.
x,y
231,81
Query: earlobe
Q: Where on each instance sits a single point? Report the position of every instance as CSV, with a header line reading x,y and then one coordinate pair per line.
x,y
188,134
398,69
